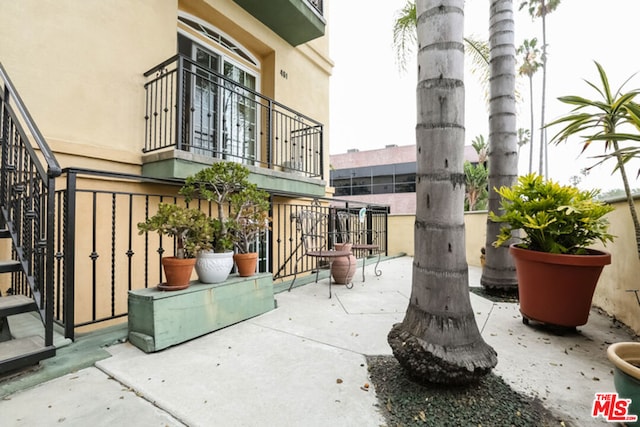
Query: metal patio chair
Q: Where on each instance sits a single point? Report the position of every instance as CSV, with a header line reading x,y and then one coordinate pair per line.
x,y
352,228
313,225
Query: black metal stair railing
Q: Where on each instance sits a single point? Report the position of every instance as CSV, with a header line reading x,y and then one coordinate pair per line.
x,y
195,109
317,4
27,191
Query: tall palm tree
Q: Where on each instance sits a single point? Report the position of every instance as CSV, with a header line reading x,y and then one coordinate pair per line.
x,y
524,138
404,41
540,9
502,273
404,33
499,271
438,340
529,66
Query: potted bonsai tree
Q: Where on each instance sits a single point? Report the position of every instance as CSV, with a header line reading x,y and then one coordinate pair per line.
x,y
250,218
213,264
192,231
557,272
242,210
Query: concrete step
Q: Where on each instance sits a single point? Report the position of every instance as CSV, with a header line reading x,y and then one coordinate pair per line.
x,y
19,353
16,304
30,324
9,266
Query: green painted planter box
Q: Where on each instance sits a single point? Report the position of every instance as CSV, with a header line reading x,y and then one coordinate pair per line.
x,y
159,319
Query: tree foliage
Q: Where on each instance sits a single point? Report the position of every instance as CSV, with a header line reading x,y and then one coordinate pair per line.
x,y
601,120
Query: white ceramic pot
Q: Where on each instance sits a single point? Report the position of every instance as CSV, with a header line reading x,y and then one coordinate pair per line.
x,y
213,267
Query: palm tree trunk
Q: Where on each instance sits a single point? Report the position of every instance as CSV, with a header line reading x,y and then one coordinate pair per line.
x,y
543,146
532,124
438,340
499,271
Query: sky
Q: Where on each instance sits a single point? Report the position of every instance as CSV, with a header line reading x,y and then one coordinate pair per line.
x,y
373,102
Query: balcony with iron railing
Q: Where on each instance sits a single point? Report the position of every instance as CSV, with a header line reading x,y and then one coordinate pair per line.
x,y
197,115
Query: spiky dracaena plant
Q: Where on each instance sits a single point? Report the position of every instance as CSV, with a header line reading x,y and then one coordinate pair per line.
x,y
601,120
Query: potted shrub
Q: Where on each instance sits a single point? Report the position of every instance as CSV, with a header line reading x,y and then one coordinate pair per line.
x,y
192,232
250,218
242,207
213,264
216,184
557,272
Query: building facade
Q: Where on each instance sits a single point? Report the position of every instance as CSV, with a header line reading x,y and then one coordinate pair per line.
x,y
386,176
131,97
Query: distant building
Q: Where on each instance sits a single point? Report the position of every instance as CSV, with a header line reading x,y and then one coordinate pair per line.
x,y
386,176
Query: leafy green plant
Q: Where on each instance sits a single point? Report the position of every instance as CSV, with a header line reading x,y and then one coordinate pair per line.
x,y
476,193
221,238
246,207
555,218
191,228
216,183
250,216
476,177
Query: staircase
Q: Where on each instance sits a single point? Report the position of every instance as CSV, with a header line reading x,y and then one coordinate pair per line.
x,y
18,352
28,170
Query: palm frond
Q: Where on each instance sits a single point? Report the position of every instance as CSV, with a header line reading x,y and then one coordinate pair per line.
x,y
404,33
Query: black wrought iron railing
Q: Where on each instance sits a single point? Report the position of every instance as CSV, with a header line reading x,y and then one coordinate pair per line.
x,y
196,109
98,236
317,4
78,244
27,189
287,243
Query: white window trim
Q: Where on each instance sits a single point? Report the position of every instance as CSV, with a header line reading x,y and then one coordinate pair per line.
x,y
217,47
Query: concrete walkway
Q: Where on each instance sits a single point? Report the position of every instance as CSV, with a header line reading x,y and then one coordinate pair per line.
x,y
303,364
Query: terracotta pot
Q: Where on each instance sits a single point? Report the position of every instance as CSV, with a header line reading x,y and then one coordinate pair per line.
x,y
214,267
343,268
557,289
177,272
625,357
246,263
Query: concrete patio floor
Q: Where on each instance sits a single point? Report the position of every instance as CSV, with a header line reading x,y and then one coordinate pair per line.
x,y
282,368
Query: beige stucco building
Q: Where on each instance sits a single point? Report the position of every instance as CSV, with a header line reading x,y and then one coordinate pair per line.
x,y
131,97
80,68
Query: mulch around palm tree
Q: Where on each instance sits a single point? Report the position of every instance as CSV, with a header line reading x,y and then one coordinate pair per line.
x,y
495,295
490,402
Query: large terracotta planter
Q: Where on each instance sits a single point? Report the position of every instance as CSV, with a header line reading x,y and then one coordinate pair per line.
x,y
246,263
214,267
177,272
557,289
343,268
625,357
